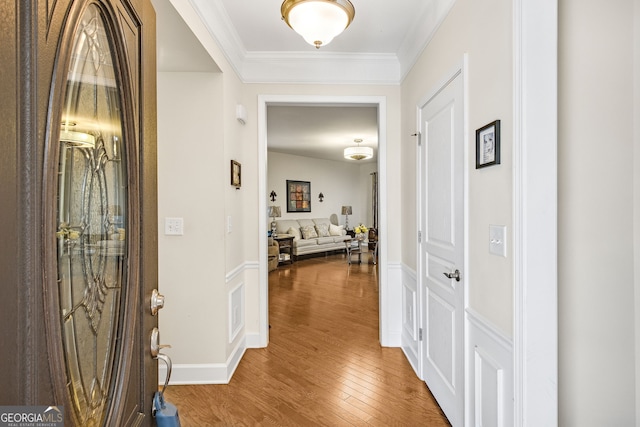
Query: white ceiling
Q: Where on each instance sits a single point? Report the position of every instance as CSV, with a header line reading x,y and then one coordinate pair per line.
x,y
379,47
380,26
322,132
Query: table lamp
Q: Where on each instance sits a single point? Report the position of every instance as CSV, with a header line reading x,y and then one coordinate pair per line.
x,y
274,212
346,211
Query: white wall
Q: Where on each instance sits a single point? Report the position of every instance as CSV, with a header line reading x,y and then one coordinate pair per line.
x,y
191,266
203,274
598,377
341,183
483,31
228,274
597,359
636,193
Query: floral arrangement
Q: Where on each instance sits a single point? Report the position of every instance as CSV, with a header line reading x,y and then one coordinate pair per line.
x,y
361,229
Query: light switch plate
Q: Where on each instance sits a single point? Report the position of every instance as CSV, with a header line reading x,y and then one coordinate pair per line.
x,y
173,226
498,240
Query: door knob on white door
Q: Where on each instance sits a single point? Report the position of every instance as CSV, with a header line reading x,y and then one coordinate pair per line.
x,y
454,275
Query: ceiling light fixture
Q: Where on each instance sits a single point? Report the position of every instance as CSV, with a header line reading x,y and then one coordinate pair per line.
x,y
318,21
77,139
358,152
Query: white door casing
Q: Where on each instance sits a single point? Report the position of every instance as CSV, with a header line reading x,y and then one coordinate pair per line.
x,y
388,322
442,245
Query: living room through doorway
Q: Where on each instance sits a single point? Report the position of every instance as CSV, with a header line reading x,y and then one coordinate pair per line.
x,y
299,137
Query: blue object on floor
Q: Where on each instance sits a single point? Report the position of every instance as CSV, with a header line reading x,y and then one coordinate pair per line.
x,y
165,413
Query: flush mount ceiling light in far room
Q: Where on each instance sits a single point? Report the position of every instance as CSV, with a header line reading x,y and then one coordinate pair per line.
x,y
318,21
358,152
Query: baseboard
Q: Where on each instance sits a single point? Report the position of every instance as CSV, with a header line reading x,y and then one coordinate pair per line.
x,y
255,341
208,373
394,339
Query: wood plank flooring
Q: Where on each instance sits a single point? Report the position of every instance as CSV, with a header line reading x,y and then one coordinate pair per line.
x,y
324,365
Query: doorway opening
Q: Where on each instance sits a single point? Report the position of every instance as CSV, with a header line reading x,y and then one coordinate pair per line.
x,y
264,101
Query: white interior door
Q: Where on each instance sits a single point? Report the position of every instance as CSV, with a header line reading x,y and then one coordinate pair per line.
x,y
441,248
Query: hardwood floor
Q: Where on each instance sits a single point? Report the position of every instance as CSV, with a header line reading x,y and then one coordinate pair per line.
x,y
324,365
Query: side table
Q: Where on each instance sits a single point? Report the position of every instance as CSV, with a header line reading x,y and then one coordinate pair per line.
x,y
286,248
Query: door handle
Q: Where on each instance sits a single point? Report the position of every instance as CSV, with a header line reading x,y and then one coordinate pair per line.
x,y
167,360
454,275
157,302
155,343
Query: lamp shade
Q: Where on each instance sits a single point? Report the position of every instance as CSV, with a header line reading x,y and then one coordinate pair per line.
x,y
358,153
274,211
346,210
318,21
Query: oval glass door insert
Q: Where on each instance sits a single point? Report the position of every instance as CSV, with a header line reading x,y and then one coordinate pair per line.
x,y
91,219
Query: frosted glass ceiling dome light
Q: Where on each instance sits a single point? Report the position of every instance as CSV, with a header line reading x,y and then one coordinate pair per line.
x,y
77,139
318,21
358,152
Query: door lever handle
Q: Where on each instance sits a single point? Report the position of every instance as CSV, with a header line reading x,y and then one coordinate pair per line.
x,y
454,275
155,343
166,359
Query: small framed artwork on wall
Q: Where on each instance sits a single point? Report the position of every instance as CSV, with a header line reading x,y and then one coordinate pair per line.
x,y
236,174
488,145
298,196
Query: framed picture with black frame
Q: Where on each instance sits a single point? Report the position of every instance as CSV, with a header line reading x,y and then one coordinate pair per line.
x,y
488,145
298,196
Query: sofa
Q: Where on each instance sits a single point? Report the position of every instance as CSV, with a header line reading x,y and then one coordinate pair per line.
x,y
312,236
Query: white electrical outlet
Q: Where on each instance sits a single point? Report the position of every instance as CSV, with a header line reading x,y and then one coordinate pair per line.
x,y
498,240
174,226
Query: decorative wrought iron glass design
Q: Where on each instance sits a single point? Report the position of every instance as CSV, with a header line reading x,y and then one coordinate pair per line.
x,y
92,217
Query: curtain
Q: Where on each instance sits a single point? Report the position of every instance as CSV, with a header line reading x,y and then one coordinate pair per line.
x,y
374,198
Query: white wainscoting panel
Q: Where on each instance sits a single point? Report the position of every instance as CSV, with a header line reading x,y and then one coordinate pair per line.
x,y
220,373
391,318
236,311
256,326
410,319
489,374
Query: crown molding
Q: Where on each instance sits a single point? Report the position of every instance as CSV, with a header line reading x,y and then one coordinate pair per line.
x,y
319,67
418,37
327,68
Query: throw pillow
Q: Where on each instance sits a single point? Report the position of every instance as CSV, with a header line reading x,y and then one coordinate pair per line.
x,y
323,230
336,230
309,232
295,232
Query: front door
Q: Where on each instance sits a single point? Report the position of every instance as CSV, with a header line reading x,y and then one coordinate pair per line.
x,y
442,275
88,210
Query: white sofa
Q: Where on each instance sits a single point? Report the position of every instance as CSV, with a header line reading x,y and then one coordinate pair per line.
x,y
329,237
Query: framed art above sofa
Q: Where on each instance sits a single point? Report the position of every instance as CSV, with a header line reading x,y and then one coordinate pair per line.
x,y
298,196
